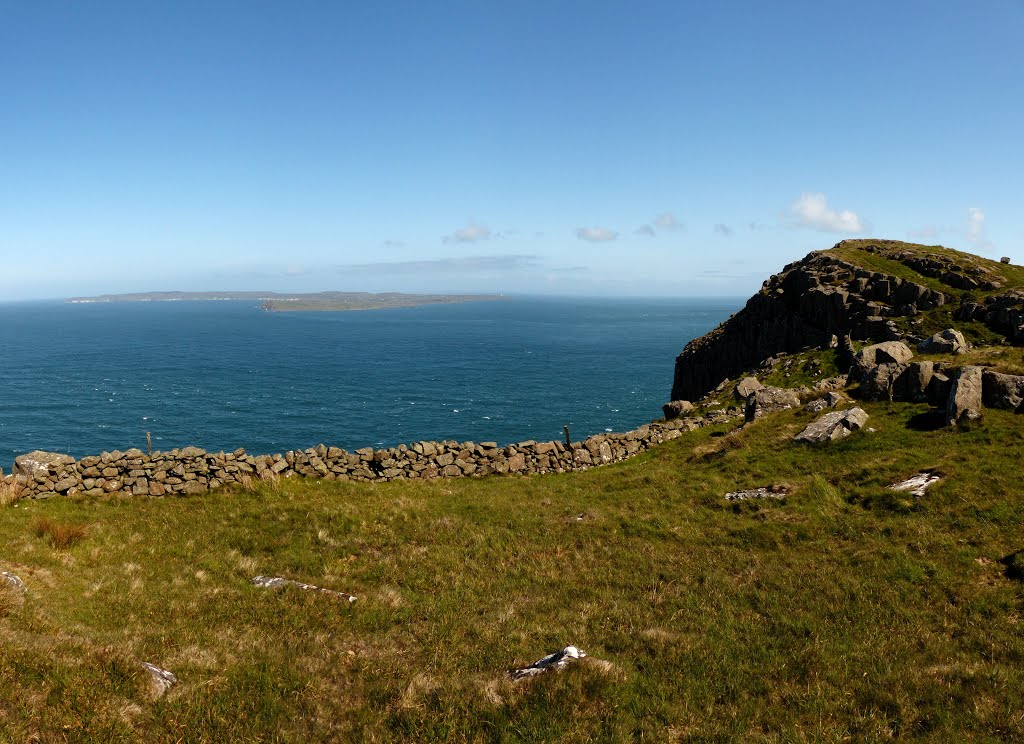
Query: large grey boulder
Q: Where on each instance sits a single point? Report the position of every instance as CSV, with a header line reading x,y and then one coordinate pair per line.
x,y
40,463
949,341
676,408
745,387
1002,391
964,402
880,383
887,352
916,380
833,426
769,399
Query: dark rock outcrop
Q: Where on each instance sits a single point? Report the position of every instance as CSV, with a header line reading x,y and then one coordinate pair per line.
x,y
812,303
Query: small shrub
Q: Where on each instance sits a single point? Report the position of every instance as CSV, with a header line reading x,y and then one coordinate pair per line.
x,y
60,534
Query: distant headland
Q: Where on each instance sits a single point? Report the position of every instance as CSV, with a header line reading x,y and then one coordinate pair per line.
x,y
280,302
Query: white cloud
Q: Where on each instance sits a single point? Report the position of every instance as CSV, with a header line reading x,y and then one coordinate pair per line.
x,y
976,227
722,229
667,221
471,233
927,232
596,234
460,265
645,230
813,211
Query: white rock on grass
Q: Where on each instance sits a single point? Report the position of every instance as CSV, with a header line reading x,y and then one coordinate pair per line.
x,y
557,660
14,580
833,426
277,582
916,484
161,680
764,492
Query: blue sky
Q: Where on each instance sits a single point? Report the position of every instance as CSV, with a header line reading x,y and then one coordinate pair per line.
x,y
598,148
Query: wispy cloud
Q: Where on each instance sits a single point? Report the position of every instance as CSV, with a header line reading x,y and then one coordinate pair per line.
x,y
723,229
812,211
667,221
596,234
471,233
645,230
393,244
925,233
976,234
461,265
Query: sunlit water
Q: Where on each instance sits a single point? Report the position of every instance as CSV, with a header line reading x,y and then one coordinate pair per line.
x,y
83,378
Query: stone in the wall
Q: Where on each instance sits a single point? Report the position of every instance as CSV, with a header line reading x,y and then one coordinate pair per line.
x,y
39,462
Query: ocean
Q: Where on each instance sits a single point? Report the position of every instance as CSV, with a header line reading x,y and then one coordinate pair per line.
x,y
84,378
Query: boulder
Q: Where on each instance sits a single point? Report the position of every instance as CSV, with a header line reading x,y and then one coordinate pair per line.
x,y
745,387
887,352
818,405
769,399
1002,391
880,382
676,408
40,463
915,381
949,341
964,401
833,426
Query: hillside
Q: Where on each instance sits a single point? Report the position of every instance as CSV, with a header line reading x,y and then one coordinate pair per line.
x,y
727,583
869,290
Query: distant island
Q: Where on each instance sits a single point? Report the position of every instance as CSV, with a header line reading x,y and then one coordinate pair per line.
x,y
278,302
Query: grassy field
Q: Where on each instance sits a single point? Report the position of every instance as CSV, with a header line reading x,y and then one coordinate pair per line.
x,y
844,612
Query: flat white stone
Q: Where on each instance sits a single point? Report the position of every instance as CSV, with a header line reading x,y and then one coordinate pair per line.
x,y
557,660
916,484
275,582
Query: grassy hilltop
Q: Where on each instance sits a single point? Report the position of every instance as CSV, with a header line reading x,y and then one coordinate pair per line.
x,y
843,611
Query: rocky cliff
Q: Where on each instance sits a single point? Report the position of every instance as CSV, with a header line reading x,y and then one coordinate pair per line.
x,y
866,290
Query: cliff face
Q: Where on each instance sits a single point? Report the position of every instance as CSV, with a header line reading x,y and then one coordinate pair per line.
x,y
819,300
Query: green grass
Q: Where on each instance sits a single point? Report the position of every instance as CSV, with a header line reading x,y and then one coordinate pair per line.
x,y
853,251
845,612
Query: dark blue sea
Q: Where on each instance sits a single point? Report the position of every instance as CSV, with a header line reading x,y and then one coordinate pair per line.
x,y
83,378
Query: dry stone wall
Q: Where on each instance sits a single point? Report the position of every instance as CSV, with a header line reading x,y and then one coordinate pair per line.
x,y
191,470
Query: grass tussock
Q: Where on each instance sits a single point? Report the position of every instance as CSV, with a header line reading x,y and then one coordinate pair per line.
x,y
10,493
61,535
843,612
